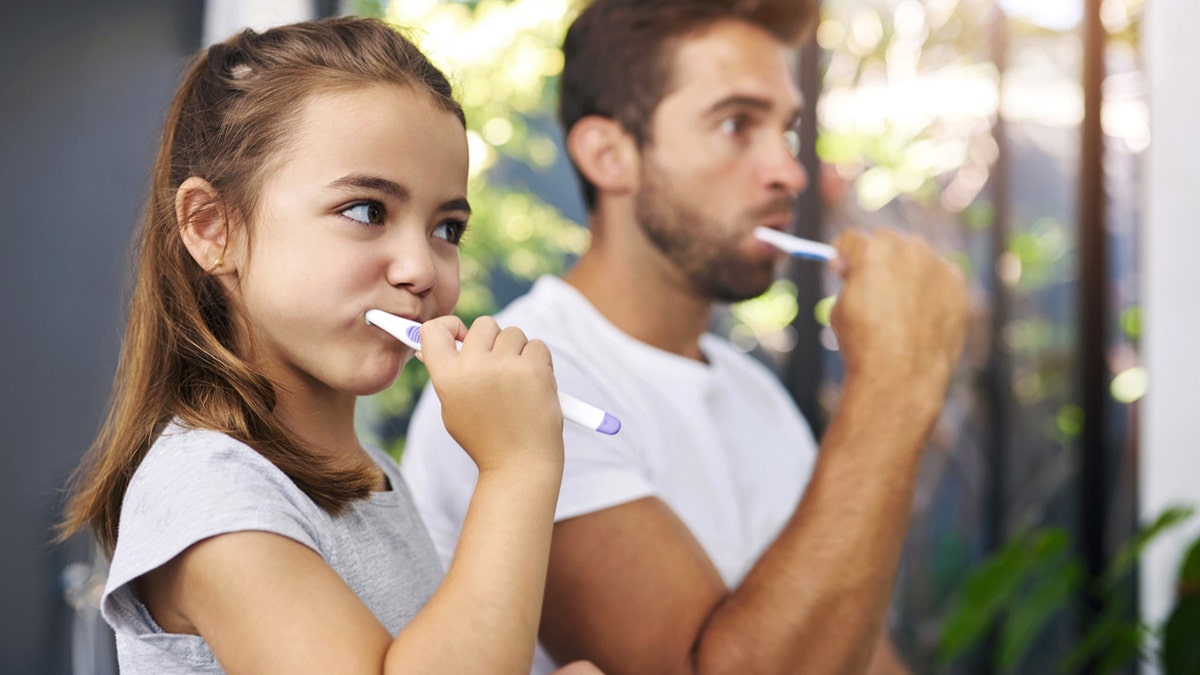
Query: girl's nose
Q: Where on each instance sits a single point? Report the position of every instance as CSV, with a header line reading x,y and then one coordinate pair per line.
x,y
411,265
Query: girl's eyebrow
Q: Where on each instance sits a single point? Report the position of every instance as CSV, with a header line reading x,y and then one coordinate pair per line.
x,y
362,181
459,204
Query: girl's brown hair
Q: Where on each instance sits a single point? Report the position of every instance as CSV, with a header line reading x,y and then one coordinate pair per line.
x,y
228,121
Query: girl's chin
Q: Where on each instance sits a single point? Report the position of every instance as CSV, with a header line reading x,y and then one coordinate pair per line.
x,y
381,378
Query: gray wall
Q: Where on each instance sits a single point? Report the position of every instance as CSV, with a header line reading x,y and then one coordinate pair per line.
x,y
83,87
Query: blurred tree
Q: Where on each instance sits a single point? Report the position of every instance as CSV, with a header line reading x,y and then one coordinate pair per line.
x,y
958,120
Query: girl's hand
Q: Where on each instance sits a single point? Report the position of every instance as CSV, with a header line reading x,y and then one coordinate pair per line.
x,y
499,397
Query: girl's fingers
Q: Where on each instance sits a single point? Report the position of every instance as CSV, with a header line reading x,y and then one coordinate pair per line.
x,y
482,335
451,323
485,336
510,341
437,340
538,350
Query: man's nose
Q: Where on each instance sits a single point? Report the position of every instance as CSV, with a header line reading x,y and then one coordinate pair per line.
x,y
783,170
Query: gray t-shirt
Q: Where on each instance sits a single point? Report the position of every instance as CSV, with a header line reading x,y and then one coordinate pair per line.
x,y
194,484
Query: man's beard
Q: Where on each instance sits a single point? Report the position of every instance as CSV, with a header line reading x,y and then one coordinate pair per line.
x,y
706,251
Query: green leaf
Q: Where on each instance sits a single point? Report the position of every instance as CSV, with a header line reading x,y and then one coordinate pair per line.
x,y
1180,646
1189,572
1124,646
985,593
1127,557
1047,597
1100,633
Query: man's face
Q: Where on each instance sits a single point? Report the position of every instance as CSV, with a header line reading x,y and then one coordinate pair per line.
x,y
720,160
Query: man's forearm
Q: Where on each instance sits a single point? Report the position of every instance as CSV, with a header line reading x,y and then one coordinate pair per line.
x,y
816,598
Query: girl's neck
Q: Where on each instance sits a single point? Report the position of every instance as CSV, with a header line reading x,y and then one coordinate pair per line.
x,y
319,417
324,421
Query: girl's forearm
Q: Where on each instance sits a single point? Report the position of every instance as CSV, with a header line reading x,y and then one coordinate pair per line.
x,y
484,616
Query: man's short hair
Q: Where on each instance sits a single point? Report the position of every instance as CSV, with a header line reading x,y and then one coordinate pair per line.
x,y
618,54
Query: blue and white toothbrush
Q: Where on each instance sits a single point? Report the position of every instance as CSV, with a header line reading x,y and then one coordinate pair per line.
x,y
801,248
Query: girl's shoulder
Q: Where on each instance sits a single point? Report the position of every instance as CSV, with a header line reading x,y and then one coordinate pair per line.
x,y
181,445
213,477
194,484
197,483
191,485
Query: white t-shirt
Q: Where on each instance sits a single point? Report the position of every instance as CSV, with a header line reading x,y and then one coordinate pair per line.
x,y
722,444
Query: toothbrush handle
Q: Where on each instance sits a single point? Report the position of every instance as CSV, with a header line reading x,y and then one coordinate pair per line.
x,y
588,415
409,332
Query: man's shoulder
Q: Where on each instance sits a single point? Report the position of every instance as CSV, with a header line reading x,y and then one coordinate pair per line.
x,y
556,313
545,306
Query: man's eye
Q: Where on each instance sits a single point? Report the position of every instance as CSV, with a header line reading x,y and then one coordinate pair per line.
x,y
792,138
450,230
368,213
733,125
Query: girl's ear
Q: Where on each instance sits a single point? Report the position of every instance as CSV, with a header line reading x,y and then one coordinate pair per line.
x,y
605,153
204,225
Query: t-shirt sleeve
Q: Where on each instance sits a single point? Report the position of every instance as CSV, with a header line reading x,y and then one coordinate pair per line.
x,y
600,471
193,485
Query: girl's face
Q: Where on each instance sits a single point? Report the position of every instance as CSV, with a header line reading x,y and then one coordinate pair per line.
x,y
363,209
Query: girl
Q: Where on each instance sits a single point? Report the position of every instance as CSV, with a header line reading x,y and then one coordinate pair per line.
x,y
307,174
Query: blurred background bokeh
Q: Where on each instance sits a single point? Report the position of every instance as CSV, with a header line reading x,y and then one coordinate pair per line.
x,y
1016,135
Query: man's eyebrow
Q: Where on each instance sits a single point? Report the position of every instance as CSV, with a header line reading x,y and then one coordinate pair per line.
x,y
754,103
362,181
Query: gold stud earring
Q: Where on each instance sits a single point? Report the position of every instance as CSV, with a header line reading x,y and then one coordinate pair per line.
x,y
217,263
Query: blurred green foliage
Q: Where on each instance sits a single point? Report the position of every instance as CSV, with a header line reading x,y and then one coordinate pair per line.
x,y
916,100
1035,577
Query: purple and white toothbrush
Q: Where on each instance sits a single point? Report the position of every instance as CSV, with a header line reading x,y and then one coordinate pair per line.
x,y
409,332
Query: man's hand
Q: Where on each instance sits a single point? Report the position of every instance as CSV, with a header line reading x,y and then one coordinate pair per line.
x,y
901,317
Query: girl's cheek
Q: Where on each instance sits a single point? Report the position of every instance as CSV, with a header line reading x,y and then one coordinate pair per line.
x,y
448,296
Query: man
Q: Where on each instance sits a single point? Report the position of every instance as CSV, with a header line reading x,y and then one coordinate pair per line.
x,y
709,535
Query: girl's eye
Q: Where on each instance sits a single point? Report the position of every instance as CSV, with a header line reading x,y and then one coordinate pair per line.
x,y
450,230
367,213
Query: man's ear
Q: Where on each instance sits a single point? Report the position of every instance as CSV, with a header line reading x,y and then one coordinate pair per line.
x,y
605,154
204,225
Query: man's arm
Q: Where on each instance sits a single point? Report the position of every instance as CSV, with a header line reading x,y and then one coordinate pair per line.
x,y
630,588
